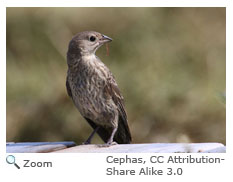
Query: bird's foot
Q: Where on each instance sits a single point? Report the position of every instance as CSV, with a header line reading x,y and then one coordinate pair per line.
x,y
108,144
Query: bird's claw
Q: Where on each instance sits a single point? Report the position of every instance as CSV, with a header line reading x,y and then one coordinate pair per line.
x,y
108,144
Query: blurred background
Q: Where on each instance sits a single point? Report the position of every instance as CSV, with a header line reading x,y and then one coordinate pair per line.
x,y
169,64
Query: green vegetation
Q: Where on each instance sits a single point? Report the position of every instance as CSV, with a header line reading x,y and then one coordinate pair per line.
x,y
170,65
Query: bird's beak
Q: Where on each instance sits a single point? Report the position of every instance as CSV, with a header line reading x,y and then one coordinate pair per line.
x,y
105,39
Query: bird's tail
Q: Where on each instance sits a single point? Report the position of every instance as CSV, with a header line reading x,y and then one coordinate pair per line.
x,y
123,135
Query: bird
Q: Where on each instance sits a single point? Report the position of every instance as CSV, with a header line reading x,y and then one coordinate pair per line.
x,y
94,90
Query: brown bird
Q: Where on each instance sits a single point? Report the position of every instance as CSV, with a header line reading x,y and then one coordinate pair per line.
x,y
94,90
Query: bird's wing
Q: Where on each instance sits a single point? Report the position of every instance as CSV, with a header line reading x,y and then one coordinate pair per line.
x,y
112,90
68,89
115,93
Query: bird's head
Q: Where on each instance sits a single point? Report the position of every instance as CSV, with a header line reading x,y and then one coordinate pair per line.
x,y
86,43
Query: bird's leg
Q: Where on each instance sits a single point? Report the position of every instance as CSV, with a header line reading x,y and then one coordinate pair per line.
x,y
110,140
88,141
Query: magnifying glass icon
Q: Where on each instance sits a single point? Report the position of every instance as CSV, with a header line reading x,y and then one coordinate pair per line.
x,y
10,159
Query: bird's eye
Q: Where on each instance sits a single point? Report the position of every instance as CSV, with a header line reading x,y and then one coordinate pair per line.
x,y
92,38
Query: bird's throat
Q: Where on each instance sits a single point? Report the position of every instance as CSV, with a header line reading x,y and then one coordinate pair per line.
x,y
89,57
